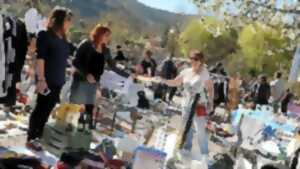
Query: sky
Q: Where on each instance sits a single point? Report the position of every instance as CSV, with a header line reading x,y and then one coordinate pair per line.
x,y
178,6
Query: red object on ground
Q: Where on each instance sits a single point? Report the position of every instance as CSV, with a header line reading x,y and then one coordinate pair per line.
x,y
115,164
60,165
23,99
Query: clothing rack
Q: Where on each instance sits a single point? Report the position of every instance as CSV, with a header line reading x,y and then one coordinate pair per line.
x,y
13,49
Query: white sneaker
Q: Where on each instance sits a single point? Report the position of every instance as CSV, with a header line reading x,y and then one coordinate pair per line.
x,y
183,154
207,160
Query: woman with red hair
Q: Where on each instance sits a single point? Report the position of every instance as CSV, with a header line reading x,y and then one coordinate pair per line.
x,y
89,64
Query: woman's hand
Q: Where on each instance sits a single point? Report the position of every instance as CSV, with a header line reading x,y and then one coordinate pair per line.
x,y
98,93
133,75
157,79
91,79
41,86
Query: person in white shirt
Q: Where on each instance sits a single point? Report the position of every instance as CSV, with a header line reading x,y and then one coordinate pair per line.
x,y
277,90
195,80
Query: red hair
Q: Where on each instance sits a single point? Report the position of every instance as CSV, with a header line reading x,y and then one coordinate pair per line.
x,y
97,34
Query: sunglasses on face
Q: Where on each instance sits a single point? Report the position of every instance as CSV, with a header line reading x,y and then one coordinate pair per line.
x,y
194,59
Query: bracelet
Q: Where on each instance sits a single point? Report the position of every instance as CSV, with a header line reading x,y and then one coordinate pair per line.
x,y
41,80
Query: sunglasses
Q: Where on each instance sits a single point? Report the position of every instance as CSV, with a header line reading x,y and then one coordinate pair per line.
x,y
194,59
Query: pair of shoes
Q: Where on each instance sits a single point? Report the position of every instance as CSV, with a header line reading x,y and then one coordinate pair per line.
x,y
34,145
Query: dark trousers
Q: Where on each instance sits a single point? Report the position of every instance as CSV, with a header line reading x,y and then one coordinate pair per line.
x,y
284,107
89,109
162,91
41,113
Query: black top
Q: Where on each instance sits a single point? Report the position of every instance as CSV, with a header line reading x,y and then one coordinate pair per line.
x,y
169,70
262,93
55,52
149,64
89,61
120,56
287,98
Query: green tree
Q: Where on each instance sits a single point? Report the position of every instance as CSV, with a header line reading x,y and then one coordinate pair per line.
x,y
120,26
263,48
272,13
209,36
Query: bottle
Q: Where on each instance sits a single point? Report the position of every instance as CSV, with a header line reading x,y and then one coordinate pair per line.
x,y
81,122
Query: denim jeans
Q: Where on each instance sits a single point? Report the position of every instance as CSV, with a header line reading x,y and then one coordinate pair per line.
x,y
199,128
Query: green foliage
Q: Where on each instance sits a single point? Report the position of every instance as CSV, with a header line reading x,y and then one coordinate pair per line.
x,y
256,46
263,48
209,36
266,38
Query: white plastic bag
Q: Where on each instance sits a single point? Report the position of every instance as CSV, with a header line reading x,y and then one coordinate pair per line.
x,y
242,163
199,165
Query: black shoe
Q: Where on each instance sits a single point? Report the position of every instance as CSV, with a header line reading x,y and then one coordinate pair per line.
x,y
34,145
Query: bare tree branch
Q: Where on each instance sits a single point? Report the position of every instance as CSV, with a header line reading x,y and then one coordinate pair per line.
x,y
275,9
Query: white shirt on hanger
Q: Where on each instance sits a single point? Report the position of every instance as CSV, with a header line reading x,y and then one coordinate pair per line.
x,y
32,20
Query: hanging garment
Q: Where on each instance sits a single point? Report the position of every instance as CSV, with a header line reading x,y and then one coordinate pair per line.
x,y
2,58
15,47
21,49
9,34
221,86
32,19
233,93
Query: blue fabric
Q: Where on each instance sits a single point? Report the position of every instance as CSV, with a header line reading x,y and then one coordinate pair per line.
x,y
202,137
284,127
198,128
152,151
107,147
188,144
268,132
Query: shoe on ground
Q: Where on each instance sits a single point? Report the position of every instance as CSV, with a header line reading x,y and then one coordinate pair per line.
x,y
210,162
183,155
34,145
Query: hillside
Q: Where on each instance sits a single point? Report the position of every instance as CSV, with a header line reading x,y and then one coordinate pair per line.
x,y
139,14
130,17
